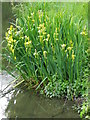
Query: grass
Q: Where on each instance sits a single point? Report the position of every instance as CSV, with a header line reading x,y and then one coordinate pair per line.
x,y
49,48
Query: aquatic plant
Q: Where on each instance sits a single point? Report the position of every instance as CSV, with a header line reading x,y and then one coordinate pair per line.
x,y
49,50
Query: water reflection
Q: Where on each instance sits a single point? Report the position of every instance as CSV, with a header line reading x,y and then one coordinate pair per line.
x,y
27,104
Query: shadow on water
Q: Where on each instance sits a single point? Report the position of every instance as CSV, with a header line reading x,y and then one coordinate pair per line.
x,y
27,104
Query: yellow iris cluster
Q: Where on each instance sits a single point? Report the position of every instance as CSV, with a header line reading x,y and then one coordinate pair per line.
x,y
35,53
46,19
10,41
55,35
73,56
27,43
40,13
45,54
63,46
84,32
71,43
48,36
41,31
32,16
68,50
32,19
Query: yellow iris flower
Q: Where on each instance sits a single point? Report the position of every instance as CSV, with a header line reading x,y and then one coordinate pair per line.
x,y
73,56
69,48
63,46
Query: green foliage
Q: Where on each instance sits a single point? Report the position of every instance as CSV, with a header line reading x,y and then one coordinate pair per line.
x,y
49,47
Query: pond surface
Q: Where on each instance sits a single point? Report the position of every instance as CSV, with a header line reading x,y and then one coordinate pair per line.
x,y
27,104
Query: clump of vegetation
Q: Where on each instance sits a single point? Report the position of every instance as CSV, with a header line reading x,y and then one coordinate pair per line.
x,y
50,49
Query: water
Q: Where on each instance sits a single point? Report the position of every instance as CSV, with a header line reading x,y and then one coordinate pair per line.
x,y
27,104
20,103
